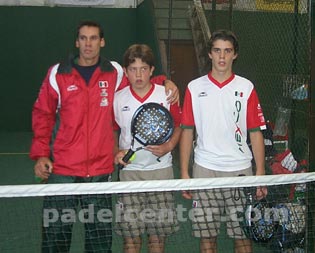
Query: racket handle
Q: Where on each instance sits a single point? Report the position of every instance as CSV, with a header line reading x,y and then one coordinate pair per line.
x,y
120,166
126,158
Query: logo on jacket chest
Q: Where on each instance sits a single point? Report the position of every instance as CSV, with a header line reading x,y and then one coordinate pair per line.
x,y
104,93
103,85
104,101
72,87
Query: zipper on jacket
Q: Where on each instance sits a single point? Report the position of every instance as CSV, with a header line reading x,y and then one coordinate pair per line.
x,y
88,133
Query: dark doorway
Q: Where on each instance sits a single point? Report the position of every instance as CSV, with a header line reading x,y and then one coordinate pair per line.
x,y
184,66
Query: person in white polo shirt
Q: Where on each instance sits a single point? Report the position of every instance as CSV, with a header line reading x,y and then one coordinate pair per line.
x,y
222,108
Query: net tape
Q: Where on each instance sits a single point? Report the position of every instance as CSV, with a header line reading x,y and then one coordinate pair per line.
x,y
9,191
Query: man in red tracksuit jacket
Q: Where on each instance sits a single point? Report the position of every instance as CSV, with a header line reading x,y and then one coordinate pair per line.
x,y
73,138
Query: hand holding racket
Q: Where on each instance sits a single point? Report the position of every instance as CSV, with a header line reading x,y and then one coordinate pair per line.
x,y
151,124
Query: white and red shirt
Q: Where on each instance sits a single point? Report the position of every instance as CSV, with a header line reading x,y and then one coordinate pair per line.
x,y
126,102
222,114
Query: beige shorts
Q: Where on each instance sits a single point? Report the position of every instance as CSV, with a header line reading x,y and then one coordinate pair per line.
x,y
211,207
151,212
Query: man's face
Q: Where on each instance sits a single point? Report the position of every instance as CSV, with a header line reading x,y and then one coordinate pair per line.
x,y
89,44
222,55
139,74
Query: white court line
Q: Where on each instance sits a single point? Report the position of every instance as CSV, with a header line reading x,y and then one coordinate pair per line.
x,y
14,153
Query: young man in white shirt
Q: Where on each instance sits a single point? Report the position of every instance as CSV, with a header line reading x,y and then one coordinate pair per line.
x,y
221,107
138,66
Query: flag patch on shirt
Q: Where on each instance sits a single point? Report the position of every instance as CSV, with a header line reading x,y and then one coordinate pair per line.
x,y
103,84
238,94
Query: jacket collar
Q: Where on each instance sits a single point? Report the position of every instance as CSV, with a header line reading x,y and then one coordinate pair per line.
x,y
66,66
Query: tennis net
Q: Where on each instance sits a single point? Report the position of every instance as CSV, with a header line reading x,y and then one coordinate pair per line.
x,y
281,222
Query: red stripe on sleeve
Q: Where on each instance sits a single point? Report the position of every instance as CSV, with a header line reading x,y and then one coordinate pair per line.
x,y
176,113
187,112
255,116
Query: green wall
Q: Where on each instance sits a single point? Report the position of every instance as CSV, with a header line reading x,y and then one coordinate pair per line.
x,y
147,30
34,38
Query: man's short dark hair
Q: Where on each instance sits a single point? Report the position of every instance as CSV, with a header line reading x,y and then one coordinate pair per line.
x,y
225,35
93,24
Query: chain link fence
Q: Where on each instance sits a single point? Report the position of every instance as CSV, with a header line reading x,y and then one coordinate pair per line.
x,y
275,46
275,53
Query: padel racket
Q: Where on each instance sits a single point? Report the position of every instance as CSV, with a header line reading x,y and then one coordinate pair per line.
x,y
260,218
151,124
